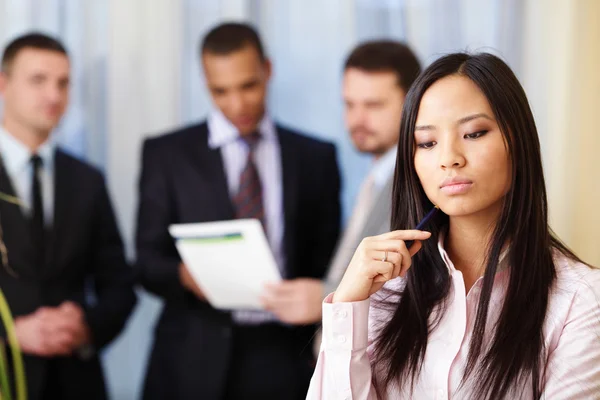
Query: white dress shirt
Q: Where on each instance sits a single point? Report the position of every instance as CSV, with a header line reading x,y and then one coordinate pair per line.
x,y
17,161
223,135
383,169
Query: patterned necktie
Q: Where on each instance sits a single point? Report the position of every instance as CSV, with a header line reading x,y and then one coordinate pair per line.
x,y
248,201
37,214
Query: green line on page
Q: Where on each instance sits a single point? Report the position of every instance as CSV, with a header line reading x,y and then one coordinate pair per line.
x,y
231,237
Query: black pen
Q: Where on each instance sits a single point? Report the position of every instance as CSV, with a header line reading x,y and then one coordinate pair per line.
x,y
421,224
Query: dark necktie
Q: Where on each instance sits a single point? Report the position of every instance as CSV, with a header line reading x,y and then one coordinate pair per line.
x,y
248,201
37,214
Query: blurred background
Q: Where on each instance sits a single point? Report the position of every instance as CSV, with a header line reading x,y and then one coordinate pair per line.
x,y
136,73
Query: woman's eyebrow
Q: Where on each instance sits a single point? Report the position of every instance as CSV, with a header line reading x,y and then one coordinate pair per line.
x,y
424,128
472,117
461,121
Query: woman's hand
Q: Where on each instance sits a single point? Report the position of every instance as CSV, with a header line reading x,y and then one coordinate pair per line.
x,y
377,260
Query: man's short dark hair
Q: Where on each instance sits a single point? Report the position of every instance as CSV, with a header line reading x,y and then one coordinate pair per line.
x,y
386,56
33,40
230,37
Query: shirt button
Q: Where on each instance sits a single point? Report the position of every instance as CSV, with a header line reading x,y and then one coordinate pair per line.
x,y
440,394
341,339
341,314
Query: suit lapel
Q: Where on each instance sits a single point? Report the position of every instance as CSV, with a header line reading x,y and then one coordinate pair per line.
x,y
209,163
15,230
379,216
289,175
65,195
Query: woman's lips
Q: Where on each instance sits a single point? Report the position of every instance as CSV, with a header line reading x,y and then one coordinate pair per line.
x,y
456,188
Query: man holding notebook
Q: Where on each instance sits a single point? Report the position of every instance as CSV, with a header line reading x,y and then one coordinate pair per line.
x,y
237,164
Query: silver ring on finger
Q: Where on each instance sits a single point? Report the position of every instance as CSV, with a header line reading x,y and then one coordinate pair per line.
x,y
384,259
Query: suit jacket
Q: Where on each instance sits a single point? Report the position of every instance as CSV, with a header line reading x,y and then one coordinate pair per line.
x,y
380,215
85,263
183,180
378,221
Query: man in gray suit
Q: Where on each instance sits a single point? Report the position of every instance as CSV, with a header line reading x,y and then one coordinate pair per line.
x,y
377,76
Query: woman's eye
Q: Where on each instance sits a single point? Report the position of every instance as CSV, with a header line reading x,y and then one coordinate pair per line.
x,y
426,145
475,135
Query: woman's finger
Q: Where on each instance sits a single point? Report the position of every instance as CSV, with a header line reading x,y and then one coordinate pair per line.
x,y
398,265
404,235
393,257
406,260
385,269
385,245
414,249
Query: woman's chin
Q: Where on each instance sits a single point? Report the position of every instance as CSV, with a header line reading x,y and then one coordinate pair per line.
x,y
458,209
465,209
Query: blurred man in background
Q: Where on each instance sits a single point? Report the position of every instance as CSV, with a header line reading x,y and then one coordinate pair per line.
x,y
377,76
60,233
238,163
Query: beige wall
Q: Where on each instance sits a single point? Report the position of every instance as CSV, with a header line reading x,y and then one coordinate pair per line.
x,y
584,118
562,78
143,98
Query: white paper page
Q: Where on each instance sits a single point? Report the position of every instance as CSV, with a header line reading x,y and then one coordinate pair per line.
x,y
230,260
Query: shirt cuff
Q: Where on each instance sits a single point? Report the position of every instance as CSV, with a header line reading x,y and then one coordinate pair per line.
x,y
345,325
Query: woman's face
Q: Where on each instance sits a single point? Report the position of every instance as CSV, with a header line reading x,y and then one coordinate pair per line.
x,y
461,156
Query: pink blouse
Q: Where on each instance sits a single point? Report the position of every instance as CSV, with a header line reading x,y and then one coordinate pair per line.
x,y
571,331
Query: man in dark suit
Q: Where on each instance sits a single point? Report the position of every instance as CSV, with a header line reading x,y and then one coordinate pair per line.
x,y
377,77
237,164
63,272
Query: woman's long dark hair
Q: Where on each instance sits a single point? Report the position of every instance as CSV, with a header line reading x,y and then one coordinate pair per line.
x,y
516,351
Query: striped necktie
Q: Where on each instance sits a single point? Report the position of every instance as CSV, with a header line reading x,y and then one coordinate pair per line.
x,y
248,201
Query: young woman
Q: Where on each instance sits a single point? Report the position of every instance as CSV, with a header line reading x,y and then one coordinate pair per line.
x,y
486,303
